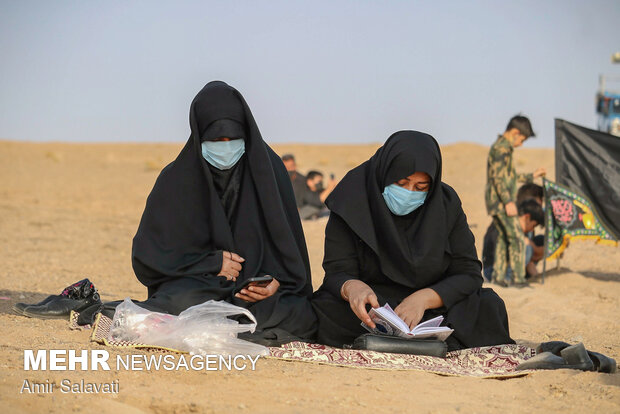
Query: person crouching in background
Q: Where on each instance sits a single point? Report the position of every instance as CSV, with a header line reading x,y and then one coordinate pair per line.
x,y
495,260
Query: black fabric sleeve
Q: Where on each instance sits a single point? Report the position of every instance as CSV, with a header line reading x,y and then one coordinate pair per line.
x,y
340,261
463,276
200,264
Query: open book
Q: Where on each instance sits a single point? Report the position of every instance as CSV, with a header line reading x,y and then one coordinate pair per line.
x,y
389,323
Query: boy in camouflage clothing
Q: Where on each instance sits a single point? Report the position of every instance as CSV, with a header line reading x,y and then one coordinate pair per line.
x,y
500,197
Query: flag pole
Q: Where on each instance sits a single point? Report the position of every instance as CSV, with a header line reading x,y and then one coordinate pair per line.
x,y
546,229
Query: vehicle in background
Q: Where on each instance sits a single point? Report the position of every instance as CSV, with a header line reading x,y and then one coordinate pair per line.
x,y
608,106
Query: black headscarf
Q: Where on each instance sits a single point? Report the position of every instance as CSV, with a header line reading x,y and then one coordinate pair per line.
x,y
227,183
411,249
185,226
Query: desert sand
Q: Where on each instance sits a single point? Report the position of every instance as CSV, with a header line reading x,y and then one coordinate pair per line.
x,y
69,211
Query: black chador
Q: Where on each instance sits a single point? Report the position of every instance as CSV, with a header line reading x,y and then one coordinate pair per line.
x,y
196,211
431,247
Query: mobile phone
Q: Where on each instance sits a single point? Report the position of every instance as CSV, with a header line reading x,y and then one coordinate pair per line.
x,y
332,176
260,281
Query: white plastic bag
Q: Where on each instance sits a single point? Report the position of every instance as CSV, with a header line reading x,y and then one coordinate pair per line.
x,y
202,329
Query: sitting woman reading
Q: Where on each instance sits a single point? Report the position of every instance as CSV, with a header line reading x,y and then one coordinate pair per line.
x,y
222,213
397,235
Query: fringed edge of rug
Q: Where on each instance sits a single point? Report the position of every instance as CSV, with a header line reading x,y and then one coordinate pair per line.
x,y
508,375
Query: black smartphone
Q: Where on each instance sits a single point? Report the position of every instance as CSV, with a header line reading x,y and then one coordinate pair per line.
x,y
332,176
261,281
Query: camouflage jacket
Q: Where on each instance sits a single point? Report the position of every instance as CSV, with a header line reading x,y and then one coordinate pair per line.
x,y
502,178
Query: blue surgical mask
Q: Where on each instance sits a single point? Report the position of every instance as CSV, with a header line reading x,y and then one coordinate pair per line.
x,y
223,155
401,201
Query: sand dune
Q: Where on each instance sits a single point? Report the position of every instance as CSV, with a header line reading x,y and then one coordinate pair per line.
x,y
69,211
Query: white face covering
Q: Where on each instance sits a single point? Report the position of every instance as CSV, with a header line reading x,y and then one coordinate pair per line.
x,y
223,155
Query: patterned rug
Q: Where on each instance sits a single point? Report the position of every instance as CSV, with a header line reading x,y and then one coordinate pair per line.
x,y
497,361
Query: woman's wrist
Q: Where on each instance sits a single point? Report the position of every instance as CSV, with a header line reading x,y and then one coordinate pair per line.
x,y
343,293
428,298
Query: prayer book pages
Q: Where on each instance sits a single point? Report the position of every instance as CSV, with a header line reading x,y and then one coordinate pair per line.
x,y
389,323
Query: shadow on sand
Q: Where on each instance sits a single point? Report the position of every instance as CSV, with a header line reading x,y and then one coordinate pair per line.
x,y
8,298
604,276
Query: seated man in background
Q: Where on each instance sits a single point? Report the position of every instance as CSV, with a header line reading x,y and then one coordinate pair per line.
x,y
297,179
494,248
311,197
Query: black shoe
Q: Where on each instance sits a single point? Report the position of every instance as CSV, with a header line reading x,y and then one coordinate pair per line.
x,y
572,357
501,283
75,297
602,363
19,307
59,308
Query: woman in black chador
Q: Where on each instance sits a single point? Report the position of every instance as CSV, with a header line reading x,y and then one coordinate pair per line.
x,y
223,212
398,235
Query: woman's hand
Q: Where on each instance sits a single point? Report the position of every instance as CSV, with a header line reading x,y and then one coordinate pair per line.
x,y
358,294
412,308
256,293
231,265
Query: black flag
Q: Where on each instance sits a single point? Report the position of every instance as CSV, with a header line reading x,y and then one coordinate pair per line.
x,y
588,163
570,216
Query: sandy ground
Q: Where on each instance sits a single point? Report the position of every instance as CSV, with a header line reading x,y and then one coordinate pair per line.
x,y
69,211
